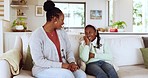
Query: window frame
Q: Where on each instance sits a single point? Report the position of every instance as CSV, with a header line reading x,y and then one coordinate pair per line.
x,y
84,13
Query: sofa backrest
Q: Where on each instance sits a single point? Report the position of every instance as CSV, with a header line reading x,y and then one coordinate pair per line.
x,y
125,49
21,43
75,41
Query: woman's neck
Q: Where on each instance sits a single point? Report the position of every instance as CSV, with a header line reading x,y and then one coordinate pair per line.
x,y
48,27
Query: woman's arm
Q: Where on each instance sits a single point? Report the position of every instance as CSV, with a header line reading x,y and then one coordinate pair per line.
x,y
69,53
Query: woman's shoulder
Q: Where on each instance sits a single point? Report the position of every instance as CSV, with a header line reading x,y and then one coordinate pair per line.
x,y
38,32
62,31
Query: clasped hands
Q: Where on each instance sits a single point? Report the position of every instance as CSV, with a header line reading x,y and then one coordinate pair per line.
x,y
71,66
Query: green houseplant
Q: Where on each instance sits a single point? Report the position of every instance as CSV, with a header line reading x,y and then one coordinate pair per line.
x,y
119,25
19,22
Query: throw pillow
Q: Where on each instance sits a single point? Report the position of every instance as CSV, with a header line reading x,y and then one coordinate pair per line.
x,y
145,56
145,41
28,62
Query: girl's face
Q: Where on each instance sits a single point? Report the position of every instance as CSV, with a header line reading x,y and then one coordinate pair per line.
x,y
90,33
60,22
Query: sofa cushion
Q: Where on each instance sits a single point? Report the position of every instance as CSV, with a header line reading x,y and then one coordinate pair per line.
x,y
135,71
24,74
145,41
145,56
74,40
25,39
18,44
122,51
28,62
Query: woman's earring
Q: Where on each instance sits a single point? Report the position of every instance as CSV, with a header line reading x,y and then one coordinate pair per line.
x,y
56,22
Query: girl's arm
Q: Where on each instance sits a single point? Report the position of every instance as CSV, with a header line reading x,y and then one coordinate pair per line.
x,y
84,51
106,55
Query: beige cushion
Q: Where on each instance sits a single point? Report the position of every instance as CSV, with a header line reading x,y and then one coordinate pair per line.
x,y
18,43
137,71
28,62
25,40
89,76
124,54
24,74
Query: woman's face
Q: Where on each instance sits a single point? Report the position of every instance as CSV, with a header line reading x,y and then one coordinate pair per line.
x,y
60,21
90,33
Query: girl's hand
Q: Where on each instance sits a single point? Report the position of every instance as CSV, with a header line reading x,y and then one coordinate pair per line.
x,y
87,41
91,55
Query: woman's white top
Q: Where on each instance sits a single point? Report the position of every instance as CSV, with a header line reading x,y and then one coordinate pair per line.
x,y
44,52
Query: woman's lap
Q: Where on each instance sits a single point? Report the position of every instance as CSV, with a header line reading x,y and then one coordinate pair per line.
x,y
60,73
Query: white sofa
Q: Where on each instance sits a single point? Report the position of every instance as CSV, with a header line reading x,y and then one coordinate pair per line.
x,y
125,51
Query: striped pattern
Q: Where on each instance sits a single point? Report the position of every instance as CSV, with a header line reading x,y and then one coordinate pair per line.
x,y
1,0
1,7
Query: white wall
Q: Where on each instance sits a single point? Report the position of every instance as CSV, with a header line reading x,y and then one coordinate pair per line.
x,y
33,21
7,10
122,11
1,37
4,24
97,5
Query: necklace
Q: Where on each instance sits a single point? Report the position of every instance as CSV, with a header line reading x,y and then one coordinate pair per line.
x,y
51,33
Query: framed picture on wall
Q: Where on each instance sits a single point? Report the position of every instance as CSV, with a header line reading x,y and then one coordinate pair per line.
x,y
96,14
39,10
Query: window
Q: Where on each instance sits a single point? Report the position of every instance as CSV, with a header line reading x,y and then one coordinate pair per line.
x,y
110,4
140,16
74,14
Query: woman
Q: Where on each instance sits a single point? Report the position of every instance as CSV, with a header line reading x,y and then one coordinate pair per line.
x,y
50,48
93,54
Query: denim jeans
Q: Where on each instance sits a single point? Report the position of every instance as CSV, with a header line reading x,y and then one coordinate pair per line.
x,y
101,69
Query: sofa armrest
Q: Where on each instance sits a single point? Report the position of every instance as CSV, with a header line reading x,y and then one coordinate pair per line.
x,y
5,69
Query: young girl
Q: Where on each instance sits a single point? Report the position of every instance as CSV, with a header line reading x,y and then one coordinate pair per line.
x,y
92,52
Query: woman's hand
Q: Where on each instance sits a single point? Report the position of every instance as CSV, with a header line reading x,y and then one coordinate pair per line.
x,y
65,65
91,55
87,41
73,66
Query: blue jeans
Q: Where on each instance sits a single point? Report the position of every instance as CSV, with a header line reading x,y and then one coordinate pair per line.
x,y
101,69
